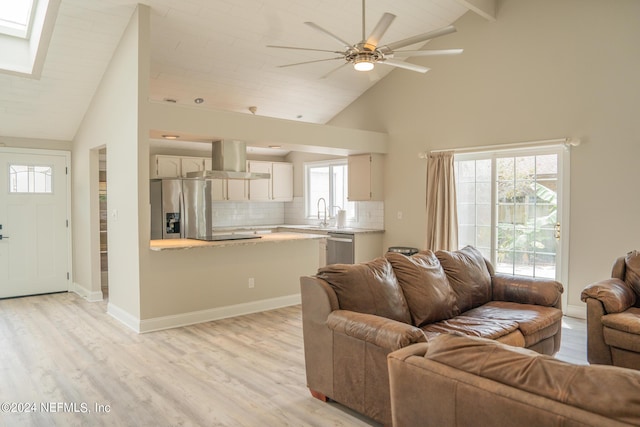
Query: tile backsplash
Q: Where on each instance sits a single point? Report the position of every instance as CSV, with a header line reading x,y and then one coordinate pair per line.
x,y
238,214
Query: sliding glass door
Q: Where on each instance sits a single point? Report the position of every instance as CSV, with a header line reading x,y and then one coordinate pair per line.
x,y
510,207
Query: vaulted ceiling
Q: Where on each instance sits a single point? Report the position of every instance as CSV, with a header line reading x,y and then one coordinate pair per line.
x,y
214,50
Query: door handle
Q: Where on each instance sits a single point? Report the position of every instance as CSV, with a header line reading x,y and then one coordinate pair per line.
x,y
3,237
339,239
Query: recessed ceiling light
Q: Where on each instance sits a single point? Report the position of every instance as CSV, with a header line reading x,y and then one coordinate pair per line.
x,y
198,100
171,136
275,146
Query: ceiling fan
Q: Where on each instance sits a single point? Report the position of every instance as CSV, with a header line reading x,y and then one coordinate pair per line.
x,y
368,52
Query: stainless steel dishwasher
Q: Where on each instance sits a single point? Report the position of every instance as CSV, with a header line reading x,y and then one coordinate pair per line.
x,y
340,248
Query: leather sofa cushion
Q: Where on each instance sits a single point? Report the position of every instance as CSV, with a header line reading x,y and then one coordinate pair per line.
x,y
468,275
370,288
632,275
425,287
616,388
472,326
627,321
531,319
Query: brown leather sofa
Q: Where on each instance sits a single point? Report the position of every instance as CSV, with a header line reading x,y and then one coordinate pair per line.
x,y
613,315
353,316
460,381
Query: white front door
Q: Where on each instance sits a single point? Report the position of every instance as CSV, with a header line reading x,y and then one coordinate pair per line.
x,y
34,221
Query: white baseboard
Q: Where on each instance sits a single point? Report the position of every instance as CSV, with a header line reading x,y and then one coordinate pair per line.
x,y
123,317
85,293
577,311
184,319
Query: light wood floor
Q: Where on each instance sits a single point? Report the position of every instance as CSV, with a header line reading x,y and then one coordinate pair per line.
x,y
61,350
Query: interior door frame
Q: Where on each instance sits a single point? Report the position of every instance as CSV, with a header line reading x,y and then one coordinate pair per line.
x,y
67,156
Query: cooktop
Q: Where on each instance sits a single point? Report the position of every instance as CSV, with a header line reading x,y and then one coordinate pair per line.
x,y
220,237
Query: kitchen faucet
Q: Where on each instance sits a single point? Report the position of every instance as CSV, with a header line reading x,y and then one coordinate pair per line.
x,y
324,223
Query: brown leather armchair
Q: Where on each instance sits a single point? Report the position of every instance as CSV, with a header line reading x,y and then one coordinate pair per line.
x,y
613,315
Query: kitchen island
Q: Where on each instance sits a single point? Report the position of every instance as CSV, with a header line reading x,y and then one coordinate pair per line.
x,y
192,281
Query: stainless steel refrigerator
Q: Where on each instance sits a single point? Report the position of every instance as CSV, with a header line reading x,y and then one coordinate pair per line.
x,y
180,208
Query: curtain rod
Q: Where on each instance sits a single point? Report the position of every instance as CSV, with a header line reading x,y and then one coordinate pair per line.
x,y
567,142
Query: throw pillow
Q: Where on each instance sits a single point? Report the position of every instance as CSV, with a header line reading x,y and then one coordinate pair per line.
x,y
425,287
632,275
468,275
369,287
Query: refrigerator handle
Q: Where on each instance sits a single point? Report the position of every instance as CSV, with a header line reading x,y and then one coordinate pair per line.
x,y
183,227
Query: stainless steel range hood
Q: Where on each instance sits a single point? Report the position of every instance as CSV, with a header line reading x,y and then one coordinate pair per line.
x,y
229,161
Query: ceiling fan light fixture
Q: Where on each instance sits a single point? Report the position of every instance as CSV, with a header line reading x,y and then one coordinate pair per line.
x,y
363,63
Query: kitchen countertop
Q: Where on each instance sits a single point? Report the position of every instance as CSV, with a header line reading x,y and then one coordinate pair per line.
x,y
301,228
277,237
326,230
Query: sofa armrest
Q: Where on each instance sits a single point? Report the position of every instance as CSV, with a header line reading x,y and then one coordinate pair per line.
x,y
418,349
318,300
527,290
386,333
614,294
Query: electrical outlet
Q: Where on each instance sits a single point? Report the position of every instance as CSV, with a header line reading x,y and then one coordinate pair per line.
x,y
252,282
399,214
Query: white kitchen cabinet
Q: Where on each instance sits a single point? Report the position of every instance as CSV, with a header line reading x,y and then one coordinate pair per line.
x,y
259,189
278,188
282,182
165,167
191,164
237,189
365,177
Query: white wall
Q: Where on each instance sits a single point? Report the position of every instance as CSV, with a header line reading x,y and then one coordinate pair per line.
x,y
115,120
45,144
544,69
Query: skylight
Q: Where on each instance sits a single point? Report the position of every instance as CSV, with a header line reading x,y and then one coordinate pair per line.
x,y
15,17
26,27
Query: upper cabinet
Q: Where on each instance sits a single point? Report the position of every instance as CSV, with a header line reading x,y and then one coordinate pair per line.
x,y
259,189
365,177
277,188
165,167
174,166
282,182
191,164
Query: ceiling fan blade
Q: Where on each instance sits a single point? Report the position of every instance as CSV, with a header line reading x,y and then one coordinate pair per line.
x,y
310,62
381,27
405,65
417,39
333,71
329,33
408,53
303,48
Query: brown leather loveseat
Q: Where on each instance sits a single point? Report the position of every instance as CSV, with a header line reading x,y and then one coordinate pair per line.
x,y
459,381
613,315
354,315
